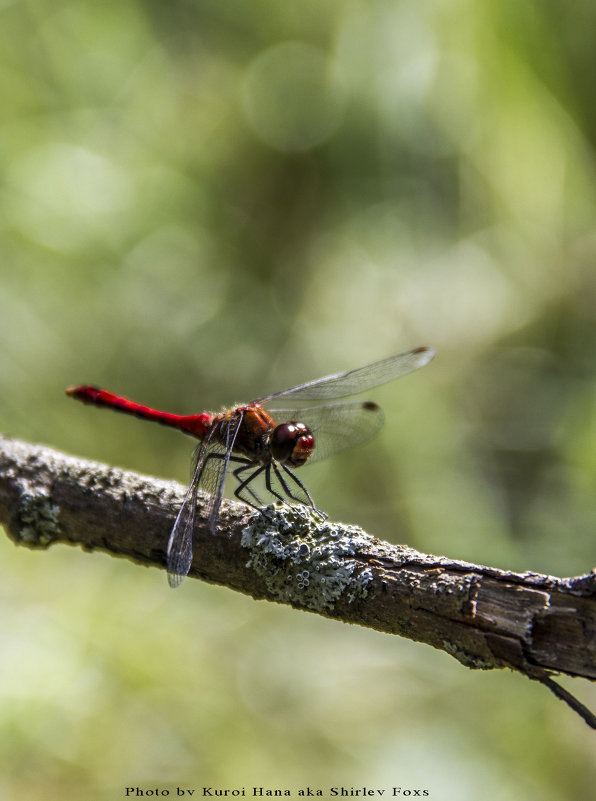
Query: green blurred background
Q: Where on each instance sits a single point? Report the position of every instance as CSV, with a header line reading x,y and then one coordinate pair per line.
x,y
203,202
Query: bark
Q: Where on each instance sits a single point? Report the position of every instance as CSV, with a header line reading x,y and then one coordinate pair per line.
x,y
484,617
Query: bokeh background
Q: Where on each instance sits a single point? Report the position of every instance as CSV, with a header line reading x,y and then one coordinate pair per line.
x,y
203,202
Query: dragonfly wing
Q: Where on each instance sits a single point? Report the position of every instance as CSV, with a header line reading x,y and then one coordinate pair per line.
x,y
359,380
210,461
336,426
179,550
216,467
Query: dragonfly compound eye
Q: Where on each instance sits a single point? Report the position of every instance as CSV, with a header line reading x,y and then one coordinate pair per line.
x,y
291,443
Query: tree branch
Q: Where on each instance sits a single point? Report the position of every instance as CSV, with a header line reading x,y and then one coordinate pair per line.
x,y
484,617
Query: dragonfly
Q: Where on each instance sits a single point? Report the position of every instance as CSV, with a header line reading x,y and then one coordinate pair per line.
x,y
269,437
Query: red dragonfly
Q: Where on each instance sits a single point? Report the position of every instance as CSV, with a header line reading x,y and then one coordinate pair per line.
x,y
272,441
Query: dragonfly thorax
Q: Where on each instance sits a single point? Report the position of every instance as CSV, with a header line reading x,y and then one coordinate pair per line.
x,y
291,443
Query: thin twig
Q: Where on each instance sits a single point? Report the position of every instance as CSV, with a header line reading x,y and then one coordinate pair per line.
x,y
569,699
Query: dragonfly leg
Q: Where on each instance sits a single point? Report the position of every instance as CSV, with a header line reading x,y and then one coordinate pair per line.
x,y
286,489
281,481
244,484
245,465
297,481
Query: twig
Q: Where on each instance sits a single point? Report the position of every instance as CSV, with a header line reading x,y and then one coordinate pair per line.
x,y
484,617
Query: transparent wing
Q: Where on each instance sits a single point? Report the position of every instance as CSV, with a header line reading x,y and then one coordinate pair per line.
x,y
209,464
335,426
179,550
216,467
363,378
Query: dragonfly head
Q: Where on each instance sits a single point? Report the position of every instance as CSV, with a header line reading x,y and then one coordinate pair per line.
x,y
291,443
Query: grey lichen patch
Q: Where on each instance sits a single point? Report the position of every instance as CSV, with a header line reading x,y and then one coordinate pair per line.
x,y
305,561
38,525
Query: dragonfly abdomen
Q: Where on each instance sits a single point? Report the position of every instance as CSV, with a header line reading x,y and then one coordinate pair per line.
x,y
195,424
